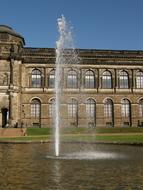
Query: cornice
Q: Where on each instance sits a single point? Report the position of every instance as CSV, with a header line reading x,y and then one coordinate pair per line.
x,y
85,53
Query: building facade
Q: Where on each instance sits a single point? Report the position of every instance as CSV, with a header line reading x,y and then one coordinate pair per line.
x,y
104,90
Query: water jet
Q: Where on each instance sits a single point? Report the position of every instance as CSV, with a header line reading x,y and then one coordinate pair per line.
x,y
65,55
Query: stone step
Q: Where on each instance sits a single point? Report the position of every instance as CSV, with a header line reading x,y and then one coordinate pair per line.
x,y
12,132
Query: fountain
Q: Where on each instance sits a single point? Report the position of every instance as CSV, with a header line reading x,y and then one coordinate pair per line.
x,y
75,165
65,55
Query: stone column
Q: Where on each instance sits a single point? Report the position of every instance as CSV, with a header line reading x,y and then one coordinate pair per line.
x,y
115,80
0,118
11,71
10,108
11,93
45,79
132,79
98,79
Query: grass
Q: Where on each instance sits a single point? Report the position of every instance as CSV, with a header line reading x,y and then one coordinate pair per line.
x,y
120,130
118,135
120,138
39,131
81,130
81,138
105,138
26,138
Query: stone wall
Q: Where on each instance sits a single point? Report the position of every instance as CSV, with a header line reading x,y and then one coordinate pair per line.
x,y
17,91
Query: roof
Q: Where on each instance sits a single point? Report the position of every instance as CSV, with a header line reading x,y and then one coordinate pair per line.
x,y
9,30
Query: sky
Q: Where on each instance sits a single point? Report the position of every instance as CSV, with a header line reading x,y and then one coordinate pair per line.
x,y
97,24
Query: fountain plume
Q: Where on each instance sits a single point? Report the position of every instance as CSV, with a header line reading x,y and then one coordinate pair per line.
x,y
65,55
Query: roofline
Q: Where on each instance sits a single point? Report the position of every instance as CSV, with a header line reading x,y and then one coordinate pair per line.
x,y
117,51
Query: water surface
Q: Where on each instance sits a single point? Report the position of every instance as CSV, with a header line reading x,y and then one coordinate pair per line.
x,y
33,167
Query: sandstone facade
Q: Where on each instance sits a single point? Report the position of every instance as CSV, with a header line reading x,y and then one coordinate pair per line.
x,y
104,89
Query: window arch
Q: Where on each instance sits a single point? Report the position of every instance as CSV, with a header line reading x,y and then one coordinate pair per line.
x,y
139,79
90,108
52,107
73,108
72,81
125,107
141,108
36,78
52,79
123,80
89,79
106,80
35,108
108,108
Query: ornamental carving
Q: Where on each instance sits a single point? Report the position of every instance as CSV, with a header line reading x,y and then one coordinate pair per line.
x,y
4,49
3,79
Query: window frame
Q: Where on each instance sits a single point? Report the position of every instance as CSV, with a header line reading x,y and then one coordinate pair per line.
x,y
91,108
125,108
108,108
73,108
36,78
35,108
124,80
106,80
51,81
139,80
72,79
51,109
89,80
141,107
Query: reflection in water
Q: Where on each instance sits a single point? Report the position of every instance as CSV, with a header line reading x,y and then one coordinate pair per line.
x,y
26,167
57,174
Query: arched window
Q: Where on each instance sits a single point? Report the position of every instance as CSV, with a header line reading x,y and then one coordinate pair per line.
x,y
72,79
139,79
89,80
123,80
141,108
52,79
106,80
52,107
35,108
125,108
90,108
36,78
73,108
108,108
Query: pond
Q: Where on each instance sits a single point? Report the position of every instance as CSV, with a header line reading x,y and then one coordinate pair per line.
x,y
80,167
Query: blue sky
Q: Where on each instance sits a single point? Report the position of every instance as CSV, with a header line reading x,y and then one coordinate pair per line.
x,y
98,24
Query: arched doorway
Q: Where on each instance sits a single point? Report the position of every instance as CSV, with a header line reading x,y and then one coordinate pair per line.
x,y
5,116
